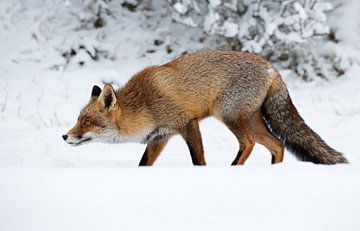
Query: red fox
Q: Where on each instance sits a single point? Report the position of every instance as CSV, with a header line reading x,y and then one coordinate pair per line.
x,y
240,89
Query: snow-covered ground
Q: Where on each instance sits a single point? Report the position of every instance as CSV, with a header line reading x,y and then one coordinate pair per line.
x,y
285,197
46,184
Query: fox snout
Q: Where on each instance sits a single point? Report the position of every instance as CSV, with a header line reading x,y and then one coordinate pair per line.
x,y
75,136
65,137
76,140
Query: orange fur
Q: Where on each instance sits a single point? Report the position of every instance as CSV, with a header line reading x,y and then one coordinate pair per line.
x,y
240,89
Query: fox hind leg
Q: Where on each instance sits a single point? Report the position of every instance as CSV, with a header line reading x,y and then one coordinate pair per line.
x,y
264,137
246,140
192,137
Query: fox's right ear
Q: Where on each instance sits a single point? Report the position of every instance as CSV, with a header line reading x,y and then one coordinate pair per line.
x,y
95,93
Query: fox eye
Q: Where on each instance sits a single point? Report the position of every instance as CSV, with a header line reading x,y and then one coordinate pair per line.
x,y
87,122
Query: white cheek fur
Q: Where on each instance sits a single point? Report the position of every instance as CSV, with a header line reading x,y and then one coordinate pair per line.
x,y
110,136
107,136
113,136
72,140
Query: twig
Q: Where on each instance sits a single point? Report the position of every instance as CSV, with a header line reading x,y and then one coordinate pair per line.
x,y
313,4
19,106
41,119
4,104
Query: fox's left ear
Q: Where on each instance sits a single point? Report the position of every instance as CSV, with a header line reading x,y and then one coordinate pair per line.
x,y
107,98
95,93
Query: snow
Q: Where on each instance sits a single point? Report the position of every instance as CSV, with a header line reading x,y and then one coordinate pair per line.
x,y
180,8
123,198
349,32
230,29
302,13
214,3
46,184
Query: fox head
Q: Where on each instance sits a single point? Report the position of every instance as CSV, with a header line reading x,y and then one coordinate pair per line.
x,y
96,122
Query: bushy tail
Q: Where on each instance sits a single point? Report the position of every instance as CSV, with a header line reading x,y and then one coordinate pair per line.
x,y
287,124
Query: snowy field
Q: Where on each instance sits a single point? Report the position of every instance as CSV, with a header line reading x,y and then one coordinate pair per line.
x,y
46,184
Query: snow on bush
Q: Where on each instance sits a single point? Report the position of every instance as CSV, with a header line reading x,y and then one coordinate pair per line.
x,y
84,23
67,32
292,33
79,32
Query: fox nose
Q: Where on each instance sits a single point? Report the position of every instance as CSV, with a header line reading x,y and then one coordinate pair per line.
x,y
64,137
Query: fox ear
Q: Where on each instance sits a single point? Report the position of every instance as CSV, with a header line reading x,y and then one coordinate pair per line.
x,y
107,98
95,92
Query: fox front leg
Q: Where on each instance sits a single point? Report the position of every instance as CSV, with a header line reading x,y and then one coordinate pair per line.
x,y
153,150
